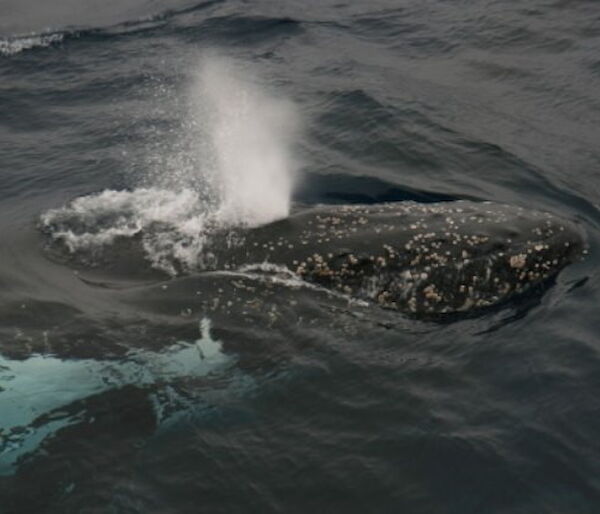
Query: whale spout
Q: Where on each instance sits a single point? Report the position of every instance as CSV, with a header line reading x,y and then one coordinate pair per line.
x,y
417,258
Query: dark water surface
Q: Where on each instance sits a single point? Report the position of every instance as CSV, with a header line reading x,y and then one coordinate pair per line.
x,y
120,394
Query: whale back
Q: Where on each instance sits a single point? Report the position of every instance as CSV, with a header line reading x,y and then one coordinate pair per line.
x,y
417,258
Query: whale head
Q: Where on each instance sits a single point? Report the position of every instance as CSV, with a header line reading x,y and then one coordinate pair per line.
x,y
473,256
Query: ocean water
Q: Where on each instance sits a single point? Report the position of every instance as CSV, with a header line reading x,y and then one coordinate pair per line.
x,y
131,381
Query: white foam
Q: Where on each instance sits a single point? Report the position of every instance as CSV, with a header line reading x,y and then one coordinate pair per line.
x,y
17,44
281,275
171,224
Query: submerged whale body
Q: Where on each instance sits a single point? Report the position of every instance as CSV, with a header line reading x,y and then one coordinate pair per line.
x,y
417,258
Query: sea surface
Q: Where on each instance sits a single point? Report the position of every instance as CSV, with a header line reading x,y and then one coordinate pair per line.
x,y
133,382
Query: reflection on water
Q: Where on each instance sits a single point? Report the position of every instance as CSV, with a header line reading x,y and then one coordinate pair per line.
x,y
35,392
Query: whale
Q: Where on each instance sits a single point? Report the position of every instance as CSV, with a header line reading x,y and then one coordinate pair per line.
x,y
417,258
420,258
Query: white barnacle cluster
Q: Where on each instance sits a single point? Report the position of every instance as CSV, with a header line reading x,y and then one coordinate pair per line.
x,y
457,269
314,265
517,261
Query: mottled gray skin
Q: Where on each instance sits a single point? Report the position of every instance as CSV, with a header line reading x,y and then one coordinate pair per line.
x,y
416,258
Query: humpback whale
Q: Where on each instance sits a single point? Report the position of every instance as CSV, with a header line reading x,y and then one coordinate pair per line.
x,y
417,258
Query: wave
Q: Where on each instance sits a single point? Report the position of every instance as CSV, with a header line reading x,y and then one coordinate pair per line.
x,y
16,44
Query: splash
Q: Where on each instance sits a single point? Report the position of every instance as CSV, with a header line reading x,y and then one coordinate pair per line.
x,y
229,164
171,225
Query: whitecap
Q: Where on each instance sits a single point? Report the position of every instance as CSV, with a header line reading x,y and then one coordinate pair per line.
x,y
16,44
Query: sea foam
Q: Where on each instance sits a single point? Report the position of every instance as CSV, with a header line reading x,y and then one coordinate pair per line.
x,y
16,44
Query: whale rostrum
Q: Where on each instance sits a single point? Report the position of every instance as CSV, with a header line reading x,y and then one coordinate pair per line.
x,y
417,258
